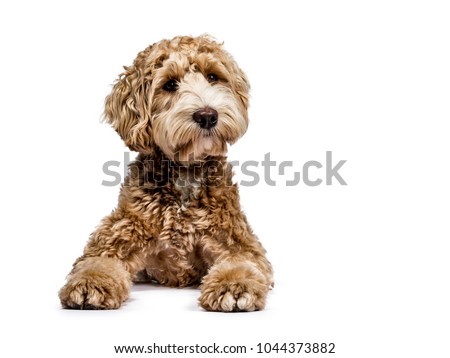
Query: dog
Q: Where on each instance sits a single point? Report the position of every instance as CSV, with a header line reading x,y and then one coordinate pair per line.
x,y
178,221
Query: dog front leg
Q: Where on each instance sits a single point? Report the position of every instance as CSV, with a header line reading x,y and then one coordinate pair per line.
x,y
101,278
240,278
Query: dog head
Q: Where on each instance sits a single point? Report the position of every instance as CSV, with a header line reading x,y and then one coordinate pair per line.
x,y
185,96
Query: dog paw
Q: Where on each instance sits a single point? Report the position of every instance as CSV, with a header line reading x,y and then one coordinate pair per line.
x,y
234,287
95,289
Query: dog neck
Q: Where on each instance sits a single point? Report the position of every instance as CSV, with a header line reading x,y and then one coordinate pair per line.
x,y
157,170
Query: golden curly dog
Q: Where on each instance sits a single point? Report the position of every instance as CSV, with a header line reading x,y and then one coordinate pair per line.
x,y
178,221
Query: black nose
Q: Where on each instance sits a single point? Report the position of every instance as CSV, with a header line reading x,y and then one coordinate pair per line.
x,y
206,117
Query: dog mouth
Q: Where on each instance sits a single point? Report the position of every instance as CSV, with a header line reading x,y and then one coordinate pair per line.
x,y
205,143
208,139
207,133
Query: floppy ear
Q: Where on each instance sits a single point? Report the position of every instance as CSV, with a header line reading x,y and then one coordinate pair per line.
x,y
239,80
127,107
242,86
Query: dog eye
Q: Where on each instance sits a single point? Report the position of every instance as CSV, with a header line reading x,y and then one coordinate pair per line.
x,y
170,86
212,77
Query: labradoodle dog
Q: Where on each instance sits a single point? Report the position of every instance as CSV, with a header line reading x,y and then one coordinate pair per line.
x,y
178,221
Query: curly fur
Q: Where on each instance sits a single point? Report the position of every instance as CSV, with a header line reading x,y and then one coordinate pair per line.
x,y
178,221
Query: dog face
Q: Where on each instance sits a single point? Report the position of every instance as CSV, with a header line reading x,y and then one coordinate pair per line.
x,y
186,96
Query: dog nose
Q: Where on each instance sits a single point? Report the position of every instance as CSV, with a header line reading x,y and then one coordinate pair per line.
x,y
206,117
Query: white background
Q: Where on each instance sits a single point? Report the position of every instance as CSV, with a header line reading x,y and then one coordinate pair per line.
x,y
365,266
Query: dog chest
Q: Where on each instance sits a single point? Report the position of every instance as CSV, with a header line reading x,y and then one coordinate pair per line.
x,y
187,185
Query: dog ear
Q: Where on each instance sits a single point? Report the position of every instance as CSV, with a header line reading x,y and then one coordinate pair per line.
x,y
242,87
127,107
